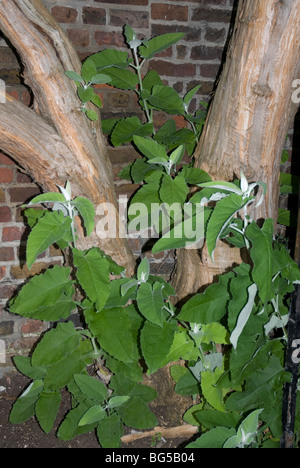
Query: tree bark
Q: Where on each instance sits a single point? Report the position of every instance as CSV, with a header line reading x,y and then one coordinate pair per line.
x,y
55,142
248,119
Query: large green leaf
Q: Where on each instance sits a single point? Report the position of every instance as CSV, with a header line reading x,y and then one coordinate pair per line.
x,y
48,296
91,387
135,413
93,275
49,229
24,407
121,78
214,438
125,129
158,44
87,211
221,218
56,344
173,190
207,307
150,148
262,255
112,327
150,302
110,57
156,343
110,431
167,99
46,409
24,365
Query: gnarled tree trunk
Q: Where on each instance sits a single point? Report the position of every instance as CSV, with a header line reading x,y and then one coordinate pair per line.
x,y
55,142
248,119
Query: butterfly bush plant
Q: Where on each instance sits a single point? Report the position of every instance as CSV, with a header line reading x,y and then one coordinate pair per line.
x,y
232,336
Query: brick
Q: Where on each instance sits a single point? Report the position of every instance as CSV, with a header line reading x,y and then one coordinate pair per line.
x,y
136,19
6,254
23,272
211,15
209,70
166,12
6,160
23,194
32,326
7,57
11,76
5,214
171,69
10,234
6,175
2,272
6,328
125,2
2,196
6,290
64,14
93,15
192,34
206,53
23,178
118,99
215,35
79,37
109,38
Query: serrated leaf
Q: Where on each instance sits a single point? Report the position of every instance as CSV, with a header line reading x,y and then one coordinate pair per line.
x,y
125,129
87,211
135,413
210,390
158,44
173,190
156,342
55,344
46,409
24,407
122,78
150,302
110,431
93,275
49,229
110,57
167,99
91,387
48,296
150,148
221,217
262,255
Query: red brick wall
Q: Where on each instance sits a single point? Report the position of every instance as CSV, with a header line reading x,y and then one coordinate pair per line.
x,y
93,25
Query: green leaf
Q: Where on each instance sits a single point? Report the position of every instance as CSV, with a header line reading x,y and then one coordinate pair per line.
x,y
87,211
100,78
207,307
85,94
158,44
189,95
112,327
24,365
125,129
221,217
151,78
210,390
143,270
194,175
88,70
69,427
24,407
211,418
214,438
116,401
110,431
262,256
93,275
244,315
135,413
94,414
110,57
173,190
47,296
156,342
46,408
167,99
47,197
150,302
150,148
55,344
74,76
121,78
91,387
49,229
92,115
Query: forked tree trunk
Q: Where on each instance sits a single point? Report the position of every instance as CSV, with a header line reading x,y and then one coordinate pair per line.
x,y
55,142
248,119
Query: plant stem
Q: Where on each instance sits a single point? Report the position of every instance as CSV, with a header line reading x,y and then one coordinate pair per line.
x,y
138,67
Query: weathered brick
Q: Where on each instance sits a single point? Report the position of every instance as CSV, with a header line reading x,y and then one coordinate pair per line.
x,y
93,15
126,2
169,12
2,272
172,69
6,160
109,39
118,99
64,14
209,70
32,326
6,290
215,35
136,19
206,53
6,175
2,196
79,37
5,214
10,234
211,15
23,178
6,327
23,194
6,254
11,76
192,34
